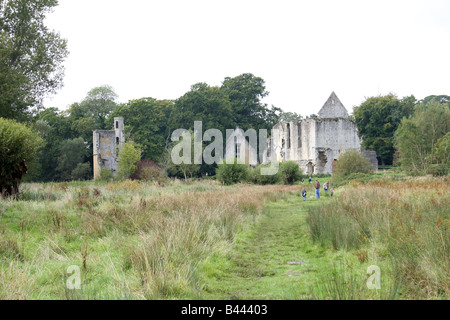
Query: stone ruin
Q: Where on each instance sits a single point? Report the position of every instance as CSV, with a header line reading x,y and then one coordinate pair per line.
x,y
106,145
316,143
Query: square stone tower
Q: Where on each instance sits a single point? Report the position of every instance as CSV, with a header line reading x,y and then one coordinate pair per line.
x,y
106,145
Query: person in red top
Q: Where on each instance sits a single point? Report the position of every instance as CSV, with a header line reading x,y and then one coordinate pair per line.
x,y
317,189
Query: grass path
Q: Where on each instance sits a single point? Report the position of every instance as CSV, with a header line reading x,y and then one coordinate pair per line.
x,y
274,259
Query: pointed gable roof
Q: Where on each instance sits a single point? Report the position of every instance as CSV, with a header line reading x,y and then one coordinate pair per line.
x,y
333,108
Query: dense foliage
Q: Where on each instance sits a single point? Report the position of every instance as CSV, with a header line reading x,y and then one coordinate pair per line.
x,y
351,161
233,172
18,145
31,57
377,119
422,140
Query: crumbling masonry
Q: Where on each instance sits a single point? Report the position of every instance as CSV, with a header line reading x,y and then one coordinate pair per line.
x,y
107,144
316,143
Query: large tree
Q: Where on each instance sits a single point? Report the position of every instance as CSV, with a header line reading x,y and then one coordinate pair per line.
x,y
246,92
146,122
377,119
202,103
418,136
92,112
31,56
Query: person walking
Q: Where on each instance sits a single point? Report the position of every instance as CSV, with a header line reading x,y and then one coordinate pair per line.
x,y
304,194
326,186
317,189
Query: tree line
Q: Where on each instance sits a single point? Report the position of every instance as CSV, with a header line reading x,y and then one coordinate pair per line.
x,y
403,131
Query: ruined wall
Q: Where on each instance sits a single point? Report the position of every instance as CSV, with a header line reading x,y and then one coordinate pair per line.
x,y
372,157
317,143
333,137
106,144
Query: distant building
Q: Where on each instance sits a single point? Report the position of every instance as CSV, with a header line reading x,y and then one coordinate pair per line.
x,y
316,143
242,147
106,145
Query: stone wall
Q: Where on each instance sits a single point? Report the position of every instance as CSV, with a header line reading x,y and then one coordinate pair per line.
x,y
316,143
106,144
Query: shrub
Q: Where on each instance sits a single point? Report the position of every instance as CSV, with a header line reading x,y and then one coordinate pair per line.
x,y
290,172
106,175
352,162
439,170
82,171
258,178
148,170
129,157
18,145
232,173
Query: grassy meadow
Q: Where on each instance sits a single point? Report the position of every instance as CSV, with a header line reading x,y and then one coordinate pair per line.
x,y
202,240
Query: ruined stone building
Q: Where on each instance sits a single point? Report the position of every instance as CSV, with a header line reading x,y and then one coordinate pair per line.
x,y
241,147
316,143
106,145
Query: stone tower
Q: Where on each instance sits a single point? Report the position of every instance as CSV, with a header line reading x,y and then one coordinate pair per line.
x,y
106,145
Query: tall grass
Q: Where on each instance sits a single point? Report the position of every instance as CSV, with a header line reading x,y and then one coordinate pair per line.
x,y
408,221
131,240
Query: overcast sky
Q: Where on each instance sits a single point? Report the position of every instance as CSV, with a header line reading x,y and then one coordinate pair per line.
x,y
303,50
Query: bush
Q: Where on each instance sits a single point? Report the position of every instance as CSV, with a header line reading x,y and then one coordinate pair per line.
x,y
439,170
82,172
352,162
129,157
290,172
232,173
106,175
18,146
148,170
257,178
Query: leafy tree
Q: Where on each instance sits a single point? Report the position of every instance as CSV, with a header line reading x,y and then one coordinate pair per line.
x,y
92,113
351,161
184,170
146,122
72,153
54,127
377,120
31,56
129,156
417,137
289,116
245,93
442,99
203,103
442,149
18,145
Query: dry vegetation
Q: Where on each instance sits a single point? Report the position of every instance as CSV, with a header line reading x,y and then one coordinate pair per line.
x,y
131,240
406,223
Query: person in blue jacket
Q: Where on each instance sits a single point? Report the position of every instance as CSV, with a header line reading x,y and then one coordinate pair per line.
x,y
304,194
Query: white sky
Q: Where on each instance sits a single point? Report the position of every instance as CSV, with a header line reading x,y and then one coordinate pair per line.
x,y
304,50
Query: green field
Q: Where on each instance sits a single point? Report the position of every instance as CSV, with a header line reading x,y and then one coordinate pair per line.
x,y
201,240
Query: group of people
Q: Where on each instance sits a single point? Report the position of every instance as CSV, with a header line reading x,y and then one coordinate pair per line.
x,y
326,186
